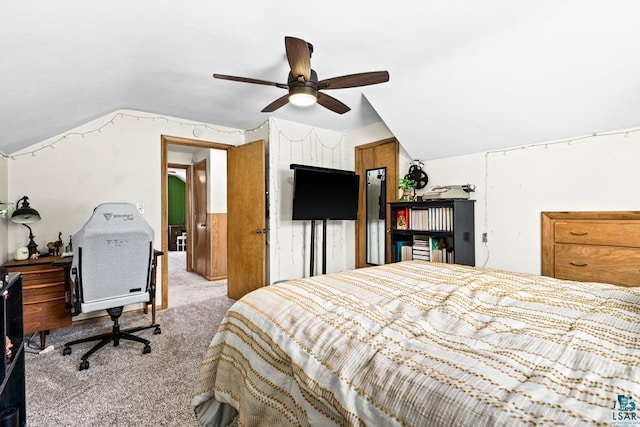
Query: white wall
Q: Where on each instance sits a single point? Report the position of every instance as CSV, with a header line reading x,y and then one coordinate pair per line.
x,y
290,240
180,158
121,162
595,173
374,132
217,182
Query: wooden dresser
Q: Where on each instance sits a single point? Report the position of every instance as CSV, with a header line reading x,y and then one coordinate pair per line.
x,y
43,298
592,246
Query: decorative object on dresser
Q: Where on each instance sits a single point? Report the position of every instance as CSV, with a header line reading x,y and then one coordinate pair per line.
x,y
436,230
592,246
12,369
45,301
24,215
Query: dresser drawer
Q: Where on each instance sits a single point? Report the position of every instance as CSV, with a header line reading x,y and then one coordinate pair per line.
x,y
43,316
592,263
610,233
43,292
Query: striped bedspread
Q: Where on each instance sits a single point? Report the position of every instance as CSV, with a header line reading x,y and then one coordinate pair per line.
x,y
425,344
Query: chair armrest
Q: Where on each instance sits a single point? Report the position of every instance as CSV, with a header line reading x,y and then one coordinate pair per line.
x,y
65,263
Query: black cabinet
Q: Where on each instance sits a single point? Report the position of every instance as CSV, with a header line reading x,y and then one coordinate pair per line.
x,y
12,385
434,230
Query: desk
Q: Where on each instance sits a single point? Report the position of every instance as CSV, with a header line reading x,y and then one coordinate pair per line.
x,y
44,297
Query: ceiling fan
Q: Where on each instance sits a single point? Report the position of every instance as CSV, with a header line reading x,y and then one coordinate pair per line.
x,y
303,85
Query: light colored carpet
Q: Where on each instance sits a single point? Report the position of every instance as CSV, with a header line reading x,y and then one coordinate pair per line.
x,y
123,387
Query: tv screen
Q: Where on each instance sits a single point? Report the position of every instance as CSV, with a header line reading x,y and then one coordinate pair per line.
x,y
320,193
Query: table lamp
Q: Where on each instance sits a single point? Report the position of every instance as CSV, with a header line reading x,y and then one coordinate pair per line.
x,y
24,215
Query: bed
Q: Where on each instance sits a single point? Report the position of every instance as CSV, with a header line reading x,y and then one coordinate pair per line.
x,y
425,344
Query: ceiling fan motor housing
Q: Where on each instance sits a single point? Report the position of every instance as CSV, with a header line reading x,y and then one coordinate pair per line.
x,y
313,78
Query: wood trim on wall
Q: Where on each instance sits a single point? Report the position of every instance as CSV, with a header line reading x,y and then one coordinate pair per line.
x,y
218,246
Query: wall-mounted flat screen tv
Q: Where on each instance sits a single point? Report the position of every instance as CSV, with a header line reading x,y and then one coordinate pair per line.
x,y
322,193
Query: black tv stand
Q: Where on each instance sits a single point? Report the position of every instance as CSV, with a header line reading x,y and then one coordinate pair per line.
x,y
313,247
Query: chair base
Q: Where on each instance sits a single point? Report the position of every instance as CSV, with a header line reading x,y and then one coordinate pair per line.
x,y
114,336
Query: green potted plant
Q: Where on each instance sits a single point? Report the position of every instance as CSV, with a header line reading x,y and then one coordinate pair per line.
x,y
407,186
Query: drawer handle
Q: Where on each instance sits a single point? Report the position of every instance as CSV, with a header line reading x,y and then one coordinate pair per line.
x,y
578,264
579,233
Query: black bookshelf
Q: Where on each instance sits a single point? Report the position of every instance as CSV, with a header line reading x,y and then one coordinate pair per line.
x,y
455,227
12,384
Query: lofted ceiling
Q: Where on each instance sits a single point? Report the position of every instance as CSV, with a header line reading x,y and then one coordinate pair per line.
x,y
465,76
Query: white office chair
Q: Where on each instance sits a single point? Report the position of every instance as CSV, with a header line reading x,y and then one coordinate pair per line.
x,y
113,266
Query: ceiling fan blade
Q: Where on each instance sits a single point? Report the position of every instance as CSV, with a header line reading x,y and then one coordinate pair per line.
x,y
276,104
249,80
298,56
332,104
354,80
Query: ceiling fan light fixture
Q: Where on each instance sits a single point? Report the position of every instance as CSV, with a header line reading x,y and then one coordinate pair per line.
x,y
303,96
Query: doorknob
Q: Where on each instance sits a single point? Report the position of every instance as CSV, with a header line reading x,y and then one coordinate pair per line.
x,y
202,225
261,231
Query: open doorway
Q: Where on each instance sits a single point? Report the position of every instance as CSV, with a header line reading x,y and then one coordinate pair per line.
x,y
204,231
178,200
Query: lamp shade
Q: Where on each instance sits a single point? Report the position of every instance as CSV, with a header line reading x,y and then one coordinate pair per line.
x,y
25,214
303,96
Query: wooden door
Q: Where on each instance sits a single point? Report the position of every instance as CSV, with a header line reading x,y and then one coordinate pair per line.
x,y
246,219
378,154
200,247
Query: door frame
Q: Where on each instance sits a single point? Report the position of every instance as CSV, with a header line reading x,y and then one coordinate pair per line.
x,y
165,142
361,167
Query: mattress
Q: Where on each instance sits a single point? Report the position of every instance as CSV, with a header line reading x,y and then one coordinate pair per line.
x,y
421,344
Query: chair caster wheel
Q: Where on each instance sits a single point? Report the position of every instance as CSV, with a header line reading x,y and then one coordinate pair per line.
x,y
66,351
157,331
84,365
147,349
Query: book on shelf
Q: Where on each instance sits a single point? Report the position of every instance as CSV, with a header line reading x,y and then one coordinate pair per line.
x,y
407,253
402,218
441,251
421,248
431,219
402,250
